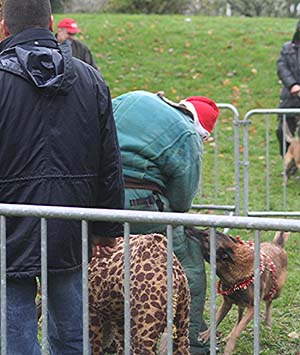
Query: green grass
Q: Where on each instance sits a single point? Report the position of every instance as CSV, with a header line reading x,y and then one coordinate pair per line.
x,y
232,60
184,57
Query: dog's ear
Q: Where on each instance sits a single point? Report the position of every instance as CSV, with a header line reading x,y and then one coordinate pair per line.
x,y
195,232
281,238
225,255
233,239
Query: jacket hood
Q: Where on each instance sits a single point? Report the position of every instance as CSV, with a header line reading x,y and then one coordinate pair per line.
x,y
35,56
296,36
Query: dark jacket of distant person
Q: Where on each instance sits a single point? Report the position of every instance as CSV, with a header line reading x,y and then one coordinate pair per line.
x,y
288,70
82,52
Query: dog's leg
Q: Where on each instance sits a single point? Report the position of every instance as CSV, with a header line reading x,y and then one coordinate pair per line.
x,y
289,162
221,313
236,331
240,316
268,314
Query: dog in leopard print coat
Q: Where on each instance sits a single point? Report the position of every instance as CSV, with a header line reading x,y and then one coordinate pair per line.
x,y
148,298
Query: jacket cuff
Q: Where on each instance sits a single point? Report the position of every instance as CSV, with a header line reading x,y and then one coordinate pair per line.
x,y
107,229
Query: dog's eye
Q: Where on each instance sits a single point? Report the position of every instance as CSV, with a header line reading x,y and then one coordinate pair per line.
x,y
226,255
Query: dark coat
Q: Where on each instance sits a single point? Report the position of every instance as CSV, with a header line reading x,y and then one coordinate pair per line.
x,y
288,70
58,146
82,52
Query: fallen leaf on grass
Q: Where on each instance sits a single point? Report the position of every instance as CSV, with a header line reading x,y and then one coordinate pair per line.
x,y
226,82
230,188
294,335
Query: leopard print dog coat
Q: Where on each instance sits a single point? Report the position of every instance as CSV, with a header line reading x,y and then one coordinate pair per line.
x,y
148,300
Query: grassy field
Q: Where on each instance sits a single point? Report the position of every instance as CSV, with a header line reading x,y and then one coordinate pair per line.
x,y
232,60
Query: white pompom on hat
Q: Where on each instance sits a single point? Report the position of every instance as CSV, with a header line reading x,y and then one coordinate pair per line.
x,y
205,112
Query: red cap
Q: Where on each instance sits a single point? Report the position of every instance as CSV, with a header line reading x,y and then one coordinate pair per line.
x,y
69,24
206,110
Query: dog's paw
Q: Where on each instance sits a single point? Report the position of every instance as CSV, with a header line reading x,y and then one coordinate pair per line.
x,y
204,336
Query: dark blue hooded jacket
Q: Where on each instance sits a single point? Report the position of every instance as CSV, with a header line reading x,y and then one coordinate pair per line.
x,y
288,70
58,146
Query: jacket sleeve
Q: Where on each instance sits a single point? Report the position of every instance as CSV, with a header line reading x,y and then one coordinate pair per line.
x,y
181,163
111,184
284,70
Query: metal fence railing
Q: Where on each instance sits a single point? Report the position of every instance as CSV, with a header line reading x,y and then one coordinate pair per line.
x,y
214,203
128,217
272,170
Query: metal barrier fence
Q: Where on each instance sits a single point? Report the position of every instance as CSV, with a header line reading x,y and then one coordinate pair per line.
x,y
128,217
253,193
250,201
214,204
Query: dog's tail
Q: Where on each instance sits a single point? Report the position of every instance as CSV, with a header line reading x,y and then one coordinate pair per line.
x,y
281,238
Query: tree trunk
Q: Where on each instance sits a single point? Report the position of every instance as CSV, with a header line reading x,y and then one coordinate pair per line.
x,y
1,6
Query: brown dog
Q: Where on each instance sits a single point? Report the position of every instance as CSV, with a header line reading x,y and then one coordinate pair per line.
x,y
292,157
234,265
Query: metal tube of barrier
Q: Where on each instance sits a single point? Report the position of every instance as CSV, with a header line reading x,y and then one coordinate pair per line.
x,y
127,331
236,122
284,131
256,293
274,214
268,161
44,286
246,167
170,290
172,218
215,207
213,296
85,292
3,286
216,166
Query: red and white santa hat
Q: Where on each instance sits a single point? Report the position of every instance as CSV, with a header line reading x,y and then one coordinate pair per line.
x,y
205,112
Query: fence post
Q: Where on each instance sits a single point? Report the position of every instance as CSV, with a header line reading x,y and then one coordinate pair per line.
x,y
1,8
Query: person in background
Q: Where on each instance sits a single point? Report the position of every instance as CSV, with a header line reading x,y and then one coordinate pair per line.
x,y
161,146
67,29
288,70
58,146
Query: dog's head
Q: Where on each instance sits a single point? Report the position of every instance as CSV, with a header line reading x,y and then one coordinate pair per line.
x,y
232,256
225,244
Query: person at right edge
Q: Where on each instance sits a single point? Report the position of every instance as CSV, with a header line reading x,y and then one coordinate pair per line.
x,y
161,146
288,70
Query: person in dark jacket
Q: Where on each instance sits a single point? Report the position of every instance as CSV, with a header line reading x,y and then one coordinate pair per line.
x,y
67,28
58,146
288,70
161,146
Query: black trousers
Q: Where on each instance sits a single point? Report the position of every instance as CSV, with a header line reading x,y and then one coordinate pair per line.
x,y
293,125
